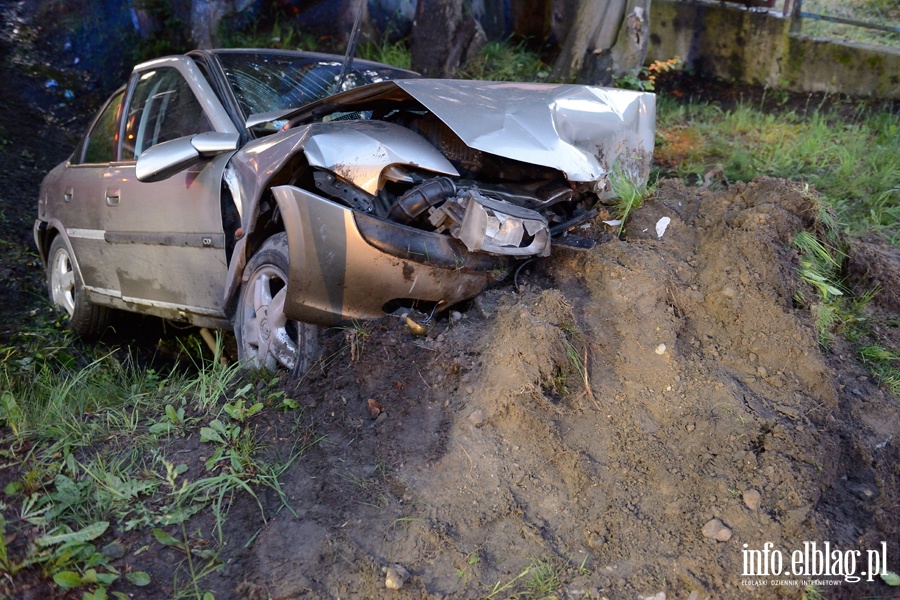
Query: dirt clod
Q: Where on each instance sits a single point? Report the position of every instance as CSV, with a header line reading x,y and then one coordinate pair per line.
x,y
395,576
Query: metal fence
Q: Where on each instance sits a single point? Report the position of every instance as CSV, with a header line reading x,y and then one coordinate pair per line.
x,y
874,22
867,21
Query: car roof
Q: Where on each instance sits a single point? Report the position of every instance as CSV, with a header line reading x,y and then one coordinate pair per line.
x,y
357,62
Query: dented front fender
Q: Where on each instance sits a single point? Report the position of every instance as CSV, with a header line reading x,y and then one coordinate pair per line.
x,y
336,273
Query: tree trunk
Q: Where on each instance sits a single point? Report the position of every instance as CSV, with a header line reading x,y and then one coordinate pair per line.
x,y
442,38
602,39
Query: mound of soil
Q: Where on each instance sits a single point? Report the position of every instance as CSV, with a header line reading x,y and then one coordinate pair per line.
x,y
705,398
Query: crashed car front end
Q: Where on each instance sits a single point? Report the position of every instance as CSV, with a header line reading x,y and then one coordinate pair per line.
x,y
422,191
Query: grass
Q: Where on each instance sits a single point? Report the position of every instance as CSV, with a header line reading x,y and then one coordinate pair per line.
x,y
878,12
837,308
630,194
92,444
542,578
506,61
851,160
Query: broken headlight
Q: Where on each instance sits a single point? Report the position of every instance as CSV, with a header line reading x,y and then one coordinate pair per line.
x,y
490,225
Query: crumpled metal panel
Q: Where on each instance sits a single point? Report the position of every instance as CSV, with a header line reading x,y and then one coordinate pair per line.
x,y
359,151
583,131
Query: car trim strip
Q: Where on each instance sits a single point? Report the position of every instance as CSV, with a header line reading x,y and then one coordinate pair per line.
x,y
188,240
103,291
86,234
170,306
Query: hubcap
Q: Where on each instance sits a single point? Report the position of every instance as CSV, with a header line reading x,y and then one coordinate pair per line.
x,y
62,282
268,337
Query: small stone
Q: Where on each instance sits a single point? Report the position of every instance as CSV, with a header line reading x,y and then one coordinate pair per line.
x,y
863,493
477,418
394,577
761,371
661,349
455,316
752,498
716,530
659,596
113,550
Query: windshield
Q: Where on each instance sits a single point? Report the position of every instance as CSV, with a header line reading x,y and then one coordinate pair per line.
x,y
265,82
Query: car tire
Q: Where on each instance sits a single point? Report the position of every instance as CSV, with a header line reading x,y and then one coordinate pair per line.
x,y
67,292
266,338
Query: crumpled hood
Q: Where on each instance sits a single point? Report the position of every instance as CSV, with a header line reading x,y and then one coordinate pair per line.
x,y
583,131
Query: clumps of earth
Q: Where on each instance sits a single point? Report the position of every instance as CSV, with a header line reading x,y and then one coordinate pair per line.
x,y
628,421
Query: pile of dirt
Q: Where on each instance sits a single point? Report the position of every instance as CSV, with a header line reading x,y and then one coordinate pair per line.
x,y
709,421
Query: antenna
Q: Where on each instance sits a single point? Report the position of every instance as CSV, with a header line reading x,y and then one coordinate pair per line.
x,y
351,47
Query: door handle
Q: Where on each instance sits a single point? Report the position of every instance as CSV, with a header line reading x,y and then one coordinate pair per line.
x,y
112,196
67,195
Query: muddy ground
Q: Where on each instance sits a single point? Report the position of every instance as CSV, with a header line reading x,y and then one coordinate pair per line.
x,y
598,420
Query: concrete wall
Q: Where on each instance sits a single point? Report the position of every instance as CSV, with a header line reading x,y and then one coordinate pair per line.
x,y
757,47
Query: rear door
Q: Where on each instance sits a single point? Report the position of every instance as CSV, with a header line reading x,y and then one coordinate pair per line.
x,y
75,198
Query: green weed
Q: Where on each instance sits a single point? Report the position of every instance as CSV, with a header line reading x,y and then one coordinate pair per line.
x,y
630,194
506,61
84,435
355,336
389,53
540,579
645,78
812,592
885,364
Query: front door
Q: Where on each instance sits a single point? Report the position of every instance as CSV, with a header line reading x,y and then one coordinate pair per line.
x,y
167,236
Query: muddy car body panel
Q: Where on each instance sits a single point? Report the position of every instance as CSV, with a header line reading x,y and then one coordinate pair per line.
x,y
235,188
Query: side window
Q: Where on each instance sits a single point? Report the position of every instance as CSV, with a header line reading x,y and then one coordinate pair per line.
x,y
100,144
162,108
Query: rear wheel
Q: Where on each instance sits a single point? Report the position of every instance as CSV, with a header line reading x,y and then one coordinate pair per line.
x,y
266,338
67,292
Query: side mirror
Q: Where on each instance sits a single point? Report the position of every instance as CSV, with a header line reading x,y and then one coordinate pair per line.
x,y
168,158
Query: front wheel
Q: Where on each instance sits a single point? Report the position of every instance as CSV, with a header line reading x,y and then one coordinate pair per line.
x,y
266,338
67,292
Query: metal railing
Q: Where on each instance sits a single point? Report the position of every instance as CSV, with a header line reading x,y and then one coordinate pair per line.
x,y
798,14
867,21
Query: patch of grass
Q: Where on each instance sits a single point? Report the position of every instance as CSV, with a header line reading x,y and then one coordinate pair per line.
x,y
885,364
542,578
89,438
389,53
284,33
851,160
867,11
506,61
630,194
355,337
812,592
645,79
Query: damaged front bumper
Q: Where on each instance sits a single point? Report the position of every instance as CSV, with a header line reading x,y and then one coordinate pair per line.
x,y
347,265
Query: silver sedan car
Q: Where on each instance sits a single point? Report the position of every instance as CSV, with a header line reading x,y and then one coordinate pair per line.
x,y
273,192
